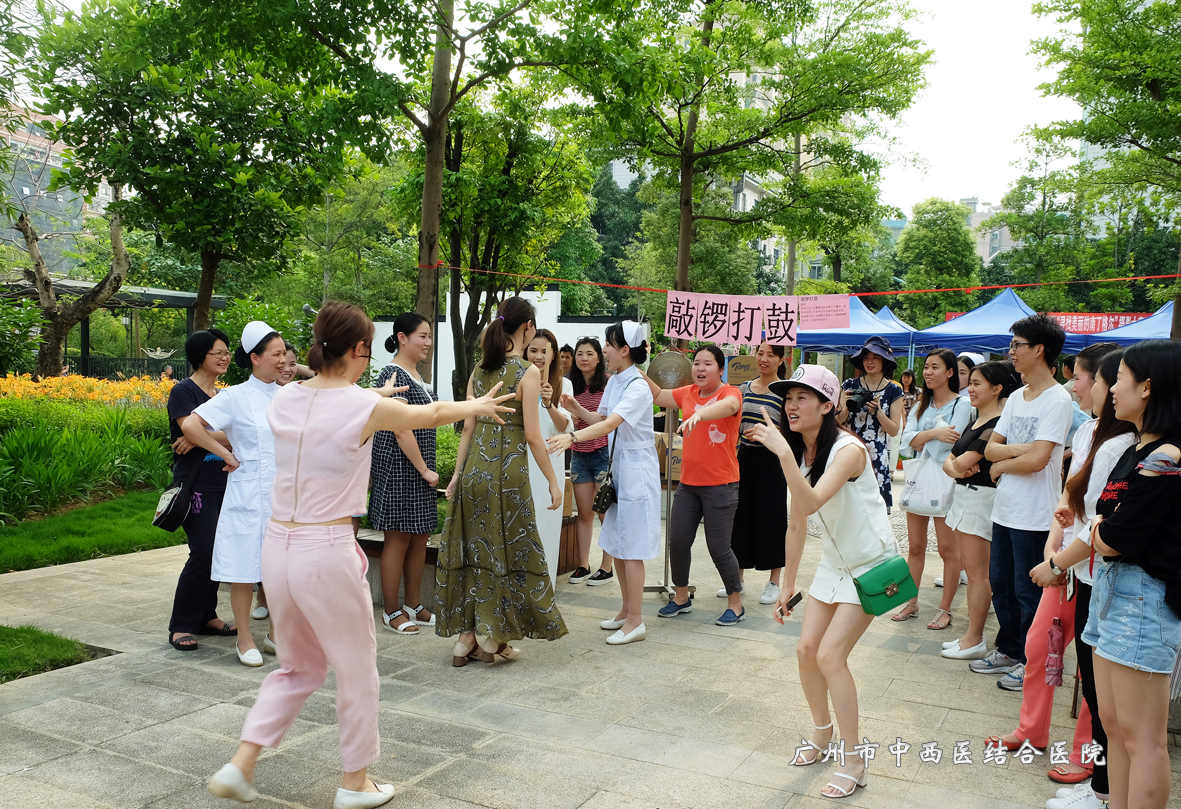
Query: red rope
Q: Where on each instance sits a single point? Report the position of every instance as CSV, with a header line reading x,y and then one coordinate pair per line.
x,y
441,265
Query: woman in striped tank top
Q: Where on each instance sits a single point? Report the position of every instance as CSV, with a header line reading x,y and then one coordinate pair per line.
x,y
760,523
588,466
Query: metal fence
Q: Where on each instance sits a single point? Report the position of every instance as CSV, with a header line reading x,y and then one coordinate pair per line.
x,y
125,367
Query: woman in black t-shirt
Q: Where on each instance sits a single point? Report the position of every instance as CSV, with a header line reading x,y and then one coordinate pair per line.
x,y
194,607
970,515
1135,618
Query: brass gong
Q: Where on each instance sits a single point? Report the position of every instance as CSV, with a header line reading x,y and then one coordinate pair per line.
x,y
670,369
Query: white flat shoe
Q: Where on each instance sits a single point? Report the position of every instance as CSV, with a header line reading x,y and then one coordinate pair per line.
x,y
229,782
268,646
977,652
252,658
612,624
618,639
347,799
951,644
259,613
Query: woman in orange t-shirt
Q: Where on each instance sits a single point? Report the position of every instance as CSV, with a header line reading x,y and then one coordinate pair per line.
x,y
709,480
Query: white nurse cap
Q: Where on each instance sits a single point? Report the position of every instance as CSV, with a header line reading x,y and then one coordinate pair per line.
x,y
253,333
633,333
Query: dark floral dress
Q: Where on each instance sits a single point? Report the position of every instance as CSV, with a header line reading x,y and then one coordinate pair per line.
x,y
870,431
492,576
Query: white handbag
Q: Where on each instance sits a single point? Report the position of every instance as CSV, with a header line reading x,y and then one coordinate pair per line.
x,y
928,490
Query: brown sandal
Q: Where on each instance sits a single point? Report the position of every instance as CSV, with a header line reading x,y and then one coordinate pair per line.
x,y
461,654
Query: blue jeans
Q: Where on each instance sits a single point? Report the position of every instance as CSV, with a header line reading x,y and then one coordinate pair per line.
x,y
1014,553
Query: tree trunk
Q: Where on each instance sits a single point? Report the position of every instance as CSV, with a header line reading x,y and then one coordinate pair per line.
x,y
791,246
210,261
50,355
835,256
1175,331
435,137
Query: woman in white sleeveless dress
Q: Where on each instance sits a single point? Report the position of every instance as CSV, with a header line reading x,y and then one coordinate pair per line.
x,y
554,420
833,485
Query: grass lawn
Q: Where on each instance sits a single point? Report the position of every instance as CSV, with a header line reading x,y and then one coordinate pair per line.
x,y
122,525
26,650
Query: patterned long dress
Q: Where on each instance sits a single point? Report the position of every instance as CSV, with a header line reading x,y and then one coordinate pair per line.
x,y
492,576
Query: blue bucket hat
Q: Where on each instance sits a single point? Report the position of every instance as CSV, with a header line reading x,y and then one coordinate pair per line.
x,y
881,347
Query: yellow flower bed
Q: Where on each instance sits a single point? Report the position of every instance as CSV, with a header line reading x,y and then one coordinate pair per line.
x,y
143,391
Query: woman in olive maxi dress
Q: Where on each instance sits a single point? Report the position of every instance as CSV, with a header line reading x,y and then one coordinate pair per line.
x,y
492,577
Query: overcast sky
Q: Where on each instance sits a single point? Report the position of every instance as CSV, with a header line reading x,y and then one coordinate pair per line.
x,y
981,95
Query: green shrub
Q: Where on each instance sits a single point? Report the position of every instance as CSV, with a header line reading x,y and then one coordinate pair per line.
x,y
59,415
446,448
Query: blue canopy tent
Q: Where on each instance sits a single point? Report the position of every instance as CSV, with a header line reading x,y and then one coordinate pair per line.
x,y
887,316
1157,327
863,324
986,328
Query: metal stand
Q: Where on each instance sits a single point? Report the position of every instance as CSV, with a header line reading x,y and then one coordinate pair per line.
x,y
666,586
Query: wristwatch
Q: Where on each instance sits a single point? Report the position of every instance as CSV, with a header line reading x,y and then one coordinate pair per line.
x,y
1057,571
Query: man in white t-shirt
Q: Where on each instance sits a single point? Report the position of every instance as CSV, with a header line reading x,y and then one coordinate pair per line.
x,y
1026,453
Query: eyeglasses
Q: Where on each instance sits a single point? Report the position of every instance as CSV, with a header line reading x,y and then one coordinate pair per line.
x,y
219,354
1016,344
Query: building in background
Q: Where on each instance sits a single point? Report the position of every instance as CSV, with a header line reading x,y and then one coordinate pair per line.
x,y
992,241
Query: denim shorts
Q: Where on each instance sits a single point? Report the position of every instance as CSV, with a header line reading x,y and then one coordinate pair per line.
x,y
1129,621
589,467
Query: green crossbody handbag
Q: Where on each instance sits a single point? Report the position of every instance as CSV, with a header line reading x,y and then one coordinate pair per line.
x,y
883,587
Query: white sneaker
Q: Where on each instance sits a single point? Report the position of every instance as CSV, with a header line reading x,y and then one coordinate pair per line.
x,y
963,579
1082,797
770,593
938,581
229,782
722,593
1066,792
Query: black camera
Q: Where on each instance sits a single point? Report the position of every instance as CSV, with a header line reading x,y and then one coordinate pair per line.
x,y
857,399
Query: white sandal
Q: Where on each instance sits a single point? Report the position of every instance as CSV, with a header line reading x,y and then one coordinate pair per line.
x,y
857,782
412,614
408,628
796,762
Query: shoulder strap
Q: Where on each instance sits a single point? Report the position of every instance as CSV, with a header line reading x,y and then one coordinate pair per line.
x,y
611,454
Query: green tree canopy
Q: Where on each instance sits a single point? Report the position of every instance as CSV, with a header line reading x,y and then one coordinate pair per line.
x,y
937,252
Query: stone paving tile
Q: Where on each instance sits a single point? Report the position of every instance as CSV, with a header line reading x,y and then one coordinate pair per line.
x,y
108,778
21,748
79,721
176,747
502,787
17,792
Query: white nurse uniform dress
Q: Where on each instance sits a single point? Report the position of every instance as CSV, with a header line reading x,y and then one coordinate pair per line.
x,y
241,411
631,527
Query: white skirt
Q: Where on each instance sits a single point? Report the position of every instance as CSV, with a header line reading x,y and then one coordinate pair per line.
x,y
832,584
971,511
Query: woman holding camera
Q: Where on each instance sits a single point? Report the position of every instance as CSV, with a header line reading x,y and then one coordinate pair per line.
x,y
871,406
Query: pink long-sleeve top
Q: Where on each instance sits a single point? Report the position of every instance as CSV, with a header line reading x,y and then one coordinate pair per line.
x,y
321,463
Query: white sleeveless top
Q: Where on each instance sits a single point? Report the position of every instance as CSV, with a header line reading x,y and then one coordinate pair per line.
x,y
854,529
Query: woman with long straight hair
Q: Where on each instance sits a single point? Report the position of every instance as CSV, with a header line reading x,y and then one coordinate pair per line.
x,y
553,419
1101,443
829,475
631,526
761,517
492,576
313,569
935,425
239,413
403,503
708,491
194,607
970,515
588,462
1134,624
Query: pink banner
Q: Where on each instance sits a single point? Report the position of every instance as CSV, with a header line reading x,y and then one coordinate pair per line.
x,y
746,319
713,321
682,314
824,311
781,319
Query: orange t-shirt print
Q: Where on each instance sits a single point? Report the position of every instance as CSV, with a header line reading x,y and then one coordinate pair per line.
x,y
710,450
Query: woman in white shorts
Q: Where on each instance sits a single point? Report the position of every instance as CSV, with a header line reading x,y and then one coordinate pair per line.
x,y
829,474
970,515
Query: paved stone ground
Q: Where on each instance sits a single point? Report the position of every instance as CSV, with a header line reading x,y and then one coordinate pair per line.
x,y
697,716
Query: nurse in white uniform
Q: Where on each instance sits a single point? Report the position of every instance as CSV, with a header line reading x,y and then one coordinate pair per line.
x,y
241,411
631,527
832,484
553,420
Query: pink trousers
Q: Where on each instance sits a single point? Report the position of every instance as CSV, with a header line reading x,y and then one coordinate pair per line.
x,y
1037,698
323,613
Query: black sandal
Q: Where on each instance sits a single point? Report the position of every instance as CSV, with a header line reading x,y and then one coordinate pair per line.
x,y
180,645
226,630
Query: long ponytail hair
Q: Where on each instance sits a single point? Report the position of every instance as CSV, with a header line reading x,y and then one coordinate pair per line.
x,y
513,313
1109,427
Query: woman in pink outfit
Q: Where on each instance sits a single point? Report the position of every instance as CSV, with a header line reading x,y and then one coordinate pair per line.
x,y
313,569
